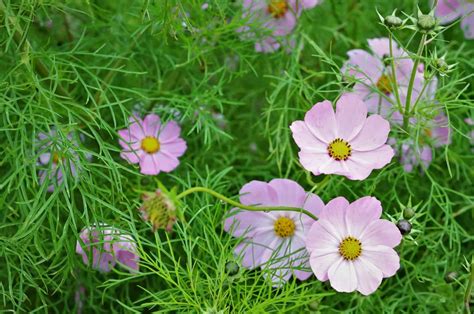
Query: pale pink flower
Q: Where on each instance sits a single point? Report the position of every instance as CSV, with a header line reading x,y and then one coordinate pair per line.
x,y
434,134
449,10
347,142
352,247
106,246
58,158
151,144
278,16
374,79
274,241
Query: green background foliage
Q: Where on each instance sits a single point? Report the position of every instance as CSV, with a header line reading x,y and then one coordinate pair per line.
x,y
97,61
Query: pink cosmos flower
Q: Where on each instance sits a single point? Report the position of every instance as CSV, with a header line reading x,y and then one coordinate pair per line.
x,y
375,81
470,122
352,247
109,246
347,142
436,134
153,145
449,10
274,241
278,16
58,158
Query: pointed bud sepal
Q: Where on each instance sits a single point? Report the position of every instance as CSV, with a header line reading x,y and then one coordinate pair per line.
x,y
161,208
425,23
440,65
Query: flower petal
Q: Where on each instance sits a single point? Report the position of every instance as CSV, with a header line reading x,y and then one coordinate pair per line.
x,y
151,124
362,65
306,140
448,10
169,132
374,159
136,127
148,165
373,134
361,213
382,257
334,212
381,232
342,276
289,193
165,161
369,277
258,193
314,161
175,148
320,263
351,113
248,223
321,121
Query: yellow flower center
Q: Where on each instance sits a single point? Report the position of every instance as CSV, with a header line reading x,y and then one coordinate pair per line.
x,y
150,144
384,84
339,149
56,158
277,8
284,227
350,248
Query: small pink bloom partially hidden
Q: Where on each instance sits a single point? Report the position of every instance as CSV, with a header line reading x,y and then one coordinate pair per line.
x,y
103,246
345,142
278,16
449,10
274,241
151,144
58,158
352,247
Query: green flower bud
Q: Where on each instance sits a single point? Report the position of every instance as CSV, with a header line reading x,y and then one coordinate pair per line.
x,y
232,268
426,22
408,213
392,21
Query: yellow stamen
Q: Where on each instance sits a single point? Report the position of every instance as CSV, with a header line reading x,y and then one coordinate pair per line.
x,y
284,227
339,149
384,84
350,248
150,144
278,8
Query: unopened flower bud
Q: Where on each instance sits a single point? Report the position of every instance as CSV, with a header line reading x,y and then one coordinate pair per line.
x,y
159,209
426,22
408,213
451,276
404,226
231,268
392,21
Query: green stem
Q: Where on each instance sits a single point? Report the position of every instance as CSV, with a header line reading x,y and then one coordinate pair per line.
x,y
406,112
239,205
394,73
418,99
467,295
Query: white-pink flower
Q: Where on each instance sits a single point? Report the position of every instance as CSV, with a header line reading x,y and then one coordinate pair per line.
x,y
102,246
278,16
352,247
345,142
153,145
449,10
374,79
274,241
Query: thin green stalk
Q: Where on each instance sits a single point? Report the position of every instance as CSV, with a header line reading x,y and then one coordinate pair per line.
x,y
246,207
467,295
394,73
427,82
406,112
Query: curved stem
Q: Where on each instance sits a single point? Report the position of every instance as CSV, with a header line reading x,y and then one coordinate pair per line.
x,y
239,205
406,112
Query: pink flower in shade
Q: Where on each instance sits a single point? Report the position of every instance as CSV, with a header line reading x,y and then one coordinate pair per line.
x,y
278,16
151,144
352,247
449,10
58,158
375,81
274,241
106,246
470,122
412,153
347,142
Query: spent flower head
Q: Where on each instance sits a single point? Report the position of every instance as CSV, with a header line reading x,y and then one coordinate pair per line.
x,y
160,208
